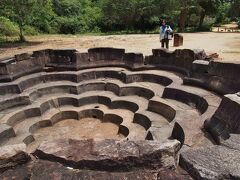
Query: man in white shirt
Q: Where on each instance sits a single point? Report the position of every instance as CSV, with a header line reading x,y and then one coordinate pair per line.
x,y
165,34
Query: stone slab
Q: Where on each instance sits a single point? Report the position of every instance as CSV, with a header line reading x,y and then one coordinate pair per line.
x,y
6,132
40,169
214,162
111,155
13,155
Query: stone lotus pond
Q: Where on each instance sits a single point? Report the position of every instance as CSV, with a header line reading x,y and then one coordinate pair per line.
x,y
117,113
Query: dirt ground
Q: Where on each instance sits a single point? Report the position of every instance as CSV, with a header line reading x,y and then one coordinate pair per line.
x,y
87,128
227,45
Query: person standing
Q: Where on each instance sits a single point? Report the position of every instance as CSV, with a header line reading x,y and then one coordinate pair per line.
x,y
165,34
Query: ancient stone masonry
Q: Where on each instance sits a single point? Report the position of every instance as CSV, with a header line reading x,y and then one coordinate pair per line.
x,y
110,114
220,77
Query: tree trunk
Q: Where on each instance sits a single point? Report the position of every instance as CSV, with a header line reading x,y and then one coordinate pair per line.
x,y
202,16
142,25
21,36
183,19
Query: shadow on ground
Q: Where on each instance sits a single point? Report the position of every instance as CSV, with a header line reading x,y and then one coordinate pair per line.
x,y
16,44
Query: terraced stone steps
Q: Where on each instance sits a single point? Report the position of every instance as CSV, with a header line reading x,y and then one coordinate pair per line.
x,y
70,102
66,87
47,102
6,132
134,93
186,116
196,97
157,129
90,85
123,75
149,102
53,116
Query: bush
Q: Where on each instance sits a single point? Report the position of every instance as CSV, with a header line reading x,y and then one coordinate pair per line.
x,y
75,25
191,29
42,18
68,25
96,29
193,20
29,30
207,24
8,28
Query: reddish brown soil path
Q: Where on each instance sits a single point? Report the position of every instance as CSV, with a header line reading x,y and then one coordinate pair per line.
x,y
227,45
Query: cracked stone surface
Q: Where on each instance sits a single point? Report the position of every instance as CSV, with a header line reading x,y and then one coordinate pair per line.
x,y
13,155
105,159
214,162
41,169
111,155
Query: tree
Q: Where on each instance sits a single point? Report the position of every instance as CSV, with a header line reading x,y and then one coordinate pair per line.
x,y
185,5
67,8
76,16
19,11
234,11
117,14
81,16
134,14
41,18
208,7
222,13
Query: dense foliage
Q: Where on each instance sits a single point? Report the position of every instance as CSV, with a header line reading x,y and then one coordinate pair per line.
x,y
81,16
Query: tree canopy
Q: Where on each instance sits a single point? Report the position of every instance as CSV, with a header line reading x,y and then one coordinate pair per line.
x,y
81,16
18,11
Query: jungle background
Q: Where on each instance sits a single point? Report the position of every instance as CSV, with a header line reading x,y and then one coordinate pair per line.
x,y
19,18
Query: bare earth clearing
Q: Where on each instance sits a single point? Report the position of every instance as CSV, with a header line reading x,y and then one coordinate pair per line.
x,y
227,45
